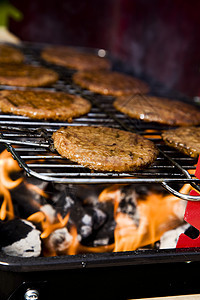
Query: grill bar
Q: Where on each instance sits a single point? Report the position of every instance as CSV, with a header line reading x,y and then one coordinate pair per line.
x,y
30,142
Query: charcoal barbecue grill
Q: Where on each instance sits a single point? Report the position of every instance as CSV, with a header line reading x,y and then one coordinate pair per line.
x,y
141,273
34,151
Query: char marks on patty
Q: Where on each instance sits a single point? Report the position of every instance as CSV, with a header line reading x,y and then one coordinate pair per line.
x,y
43,104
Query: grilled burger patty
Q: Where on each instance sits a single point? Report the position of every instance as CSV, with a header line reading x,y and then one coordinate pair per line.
x,y
186,140
104,149
110,83
43,105
161,110
74,59
26,75
9,54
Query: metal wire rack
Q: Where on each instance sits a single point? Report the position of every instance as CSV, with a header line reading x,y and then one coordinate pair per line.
x,y
30,142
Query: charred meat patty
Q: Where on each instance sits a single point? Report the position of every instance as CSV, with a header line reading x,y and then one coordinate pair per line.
x,y
104,149
43,104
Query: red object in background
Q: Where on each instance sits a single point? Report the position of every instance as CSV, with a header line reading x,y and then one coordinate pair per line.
x,y
192,216
158,38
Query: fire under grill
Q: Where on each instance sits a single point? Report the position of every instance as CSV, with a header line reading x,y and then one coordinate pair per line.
x,y
30,142
114,275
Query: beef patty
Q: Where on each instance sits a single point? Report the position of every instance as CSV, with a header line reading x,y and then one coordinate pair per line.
x,y
43,105
155,109
10,54
72,58
109,83
104,149
26,75
186,140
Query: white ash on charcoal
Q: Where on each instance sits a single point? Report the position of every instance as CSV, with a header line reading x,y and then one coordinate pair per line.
x,y
20,238
49,211
94,220
128,202
58,242
103,226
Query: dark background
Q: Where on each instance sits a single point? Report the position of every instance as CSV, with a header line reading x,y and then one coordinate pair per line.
x,y
160,38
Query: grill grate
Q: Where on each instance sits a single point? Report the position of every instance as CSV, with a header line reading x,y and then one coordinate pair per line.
x,y
30,143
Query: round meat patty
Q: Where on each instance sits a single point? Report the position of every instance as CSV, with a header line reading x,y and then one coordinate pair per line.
x,y
186,140
160,110
9,54
43,105
26,75
72,58
110,83
104,149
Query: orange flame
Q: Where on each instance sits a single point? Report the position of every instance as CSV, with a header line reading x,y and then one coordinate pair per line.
x,y
76,247
152,133
157,214
7,166
47,226
36,189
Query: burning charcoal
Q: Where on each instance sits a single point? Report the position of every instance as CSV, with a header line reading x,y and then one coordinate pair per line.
x,y
92,221
25,201
128,203
20,238
85,231
101,242
86,193
87,220
49,211
86,228
103,225
143,190
58,242
99,218
170,238
63,203
57,191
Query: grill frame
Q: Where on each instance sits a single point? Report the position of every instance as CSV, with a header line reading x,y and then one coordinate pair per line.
x,y
34,136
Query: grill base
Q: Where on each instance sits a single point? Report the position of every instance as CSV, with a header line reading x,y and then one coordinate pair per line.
x,y
125,282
